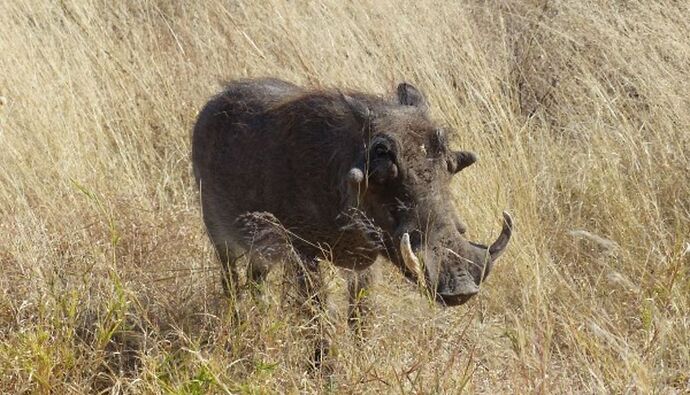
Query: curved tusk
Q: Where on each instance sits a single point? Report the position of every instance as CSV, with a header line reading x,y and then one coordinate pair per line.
x,y
409,258
501,243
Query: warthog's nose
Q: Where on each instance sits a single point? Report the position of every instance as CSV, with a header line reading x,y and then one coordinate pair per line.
x,y
463,288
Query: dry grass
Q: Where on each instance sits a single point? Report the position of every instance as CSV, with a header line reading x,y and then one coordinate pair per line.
x,y
579,112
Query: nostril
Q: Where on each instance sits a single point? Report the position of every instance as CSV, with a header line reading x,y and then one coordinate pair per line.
x,y
463,285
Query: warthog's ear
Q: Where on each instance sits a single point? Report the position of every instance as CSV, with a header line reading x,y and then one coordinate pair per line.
x,y
359,109
408,95
461,160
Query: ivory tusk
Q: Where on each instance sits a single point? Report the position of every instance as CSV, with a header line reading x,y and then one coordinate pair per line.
x,y
409,258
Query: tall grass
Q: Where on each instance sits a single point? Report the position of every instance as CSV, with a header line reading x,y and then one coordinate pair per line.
x,y
580,114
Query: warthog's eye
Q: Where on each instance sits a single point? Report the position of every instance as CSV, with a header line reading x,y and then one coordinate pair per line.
x,y
381,151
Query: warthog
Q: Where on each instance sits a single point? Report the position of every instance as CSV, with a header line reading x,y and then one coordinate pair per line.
x,y
356,175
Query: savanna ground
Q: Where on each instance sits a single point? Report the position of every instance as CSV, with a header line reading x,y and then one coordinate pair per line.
x,y
580,114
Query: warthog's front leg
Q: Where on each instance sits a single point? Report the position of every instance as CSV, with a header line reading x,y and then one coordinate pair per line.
x,y
313,304
358,286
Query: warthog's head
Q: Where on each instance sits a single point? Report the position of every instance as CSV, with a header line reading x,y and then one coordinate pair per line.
x,y
403,183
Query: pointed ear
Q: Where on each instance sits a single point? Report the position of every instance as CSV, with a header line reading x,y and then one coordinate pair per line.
x,y
408,95
359,109
462,160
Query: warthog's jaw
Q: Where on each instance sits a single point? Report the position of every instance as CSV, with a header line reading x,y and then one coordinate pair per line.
x,y
460,273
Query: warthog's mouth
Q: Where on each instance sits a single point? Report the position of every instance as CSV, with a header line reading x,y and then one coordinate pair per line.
x,y
452,300
460,278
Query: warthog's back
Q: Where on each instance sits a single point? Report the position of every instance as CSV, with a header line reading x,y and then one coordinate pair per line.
x,y
237,109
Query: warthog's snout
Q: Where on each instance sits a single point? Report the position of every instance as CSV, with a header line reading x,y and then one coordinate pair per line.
x,y
456,275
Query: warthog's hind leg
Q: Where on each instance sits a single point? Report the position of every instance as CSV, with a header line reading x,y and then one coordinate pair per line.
x,y
228,263
268,243
258,268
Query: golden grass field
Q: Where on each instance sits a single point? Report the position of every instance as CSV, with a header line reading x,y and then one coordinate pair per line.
x,y
579,112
